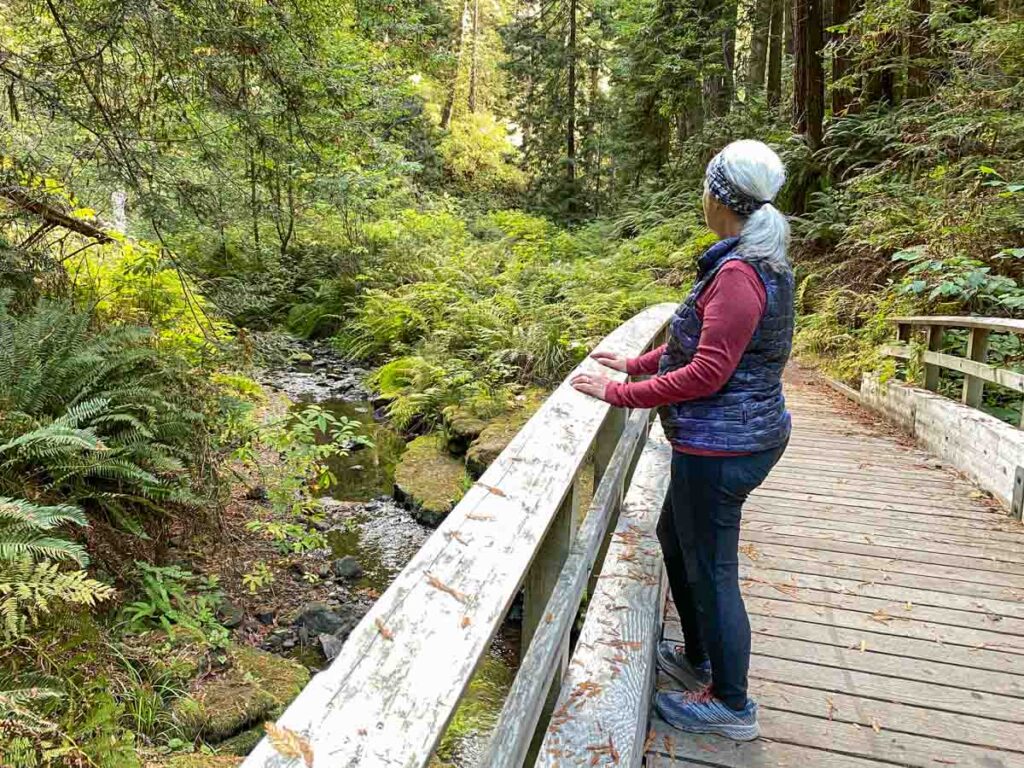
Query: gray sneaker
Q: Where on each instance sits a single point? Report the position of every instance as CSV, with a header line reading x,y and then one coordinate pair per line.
x,y
703,713
673,662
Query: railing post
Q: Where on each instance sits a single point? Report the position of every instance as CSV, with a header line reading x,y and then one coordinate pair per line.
x,y
977,350
931,371
548,563
540,581
604,447
903,331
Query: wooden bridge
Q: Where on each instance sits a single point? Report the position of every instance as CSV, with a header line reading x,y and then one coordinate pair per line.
x,y
884,589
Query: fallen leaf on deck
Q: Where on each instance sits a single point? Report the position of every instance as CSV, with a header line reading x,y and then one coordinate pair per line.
x,y
465,622
457,536
436,583
750,551
863,646
670,746
492,489
386,633
289,743
875,725
880,616
649,741
830,707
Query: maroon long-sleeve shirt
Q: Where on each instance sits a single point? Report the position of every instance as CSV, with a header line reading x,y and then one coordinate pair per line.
x,y
730,309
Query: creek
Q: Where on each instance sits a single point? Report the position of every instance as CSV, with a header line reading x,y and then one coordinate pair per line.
x,y
383,535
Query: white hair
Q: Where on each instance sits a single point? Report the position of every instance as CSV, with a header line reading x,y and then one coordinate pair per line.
x,y
754,168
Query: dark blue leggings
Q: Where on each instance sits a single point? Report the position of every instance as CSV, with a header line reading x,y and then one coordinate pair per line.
x,y
699,530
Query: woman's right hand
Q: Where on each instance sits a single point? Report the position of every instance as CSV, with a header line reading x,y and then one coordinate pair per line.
x,y
611,360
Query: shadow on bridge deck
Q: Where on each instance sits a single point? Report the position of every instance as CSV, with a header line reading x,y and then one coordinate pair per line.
x,y
886,597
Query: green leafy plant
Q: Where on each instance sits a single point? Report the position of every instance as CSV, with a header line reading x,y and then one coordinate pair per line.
x,y
176,600
258,578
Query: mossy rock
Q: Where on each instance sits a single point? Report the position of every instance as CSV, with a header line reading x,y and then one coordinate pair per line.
x,y
242,743
195,760
429,480
174,661
463,427
499,432
256,687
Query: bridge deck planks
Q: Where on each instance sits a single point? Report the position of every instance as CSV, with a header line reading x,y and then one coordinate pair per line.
x,y
886,598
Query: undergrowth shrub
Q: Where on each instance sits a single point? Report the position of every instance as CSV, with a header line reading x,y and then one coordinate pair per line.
x,y
97,417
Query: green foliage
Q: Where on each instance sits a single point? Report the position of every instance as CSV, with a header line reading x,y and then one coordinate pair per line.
x,y
478,156
304,444
96,417
509,301
175,600
32,579
259,577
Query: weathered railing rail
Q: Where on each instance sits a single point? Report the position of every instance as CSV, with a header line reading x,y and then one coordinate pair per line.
x,y
974,366
388,697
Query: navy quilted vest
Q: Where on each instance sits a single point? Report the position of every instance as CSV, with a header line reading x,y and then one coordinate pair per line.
x,y
749,413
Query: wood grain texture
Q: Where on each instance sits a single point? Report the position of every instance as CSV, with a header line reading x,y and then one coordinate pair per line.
x,y
386,701
522,709
886,606
602,708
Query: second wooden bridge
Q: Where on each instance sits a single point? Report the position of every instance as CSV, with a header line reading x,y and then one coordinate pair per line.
x,y
884,590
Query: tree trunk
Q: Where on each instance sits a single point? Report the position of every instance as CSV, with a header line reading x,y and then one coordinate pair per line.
x,y
760,27
570,128
842,98
787,25
449,103
918,49
720,87
809,89
473,56
775,36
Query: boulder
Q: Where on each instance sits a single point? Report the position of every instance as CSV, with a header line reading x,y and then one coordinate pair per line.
x,y
229,614
347,568
498,433
317,619
256,686
429,480
462,427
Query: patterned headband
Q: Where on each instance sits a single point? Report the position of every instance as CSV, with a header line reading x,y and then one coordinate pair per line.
x,y
726,192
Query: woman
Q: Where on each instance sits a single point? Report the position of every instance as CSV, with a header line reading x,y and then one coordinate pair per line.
x,y
719,390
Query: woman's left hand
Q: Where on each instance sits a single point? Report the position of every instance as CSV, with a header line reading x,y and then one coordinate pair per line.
x,y
592,384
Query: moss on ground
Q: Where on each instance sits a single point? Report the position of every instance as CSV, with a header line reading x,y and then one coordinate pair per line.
x,y
429,479
256,687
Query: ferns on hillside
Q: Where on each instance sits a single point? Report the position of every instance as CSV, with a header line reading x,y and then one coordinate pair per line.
x,y
31,577
90,416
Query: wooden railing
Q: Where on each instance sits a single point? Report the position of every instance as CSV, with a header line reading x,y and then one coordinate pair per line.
x,y
974,367
388,697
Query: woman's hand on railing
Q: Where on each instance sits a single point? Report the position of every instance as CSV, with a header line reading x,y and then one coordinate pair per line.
x,y
593,384
611,360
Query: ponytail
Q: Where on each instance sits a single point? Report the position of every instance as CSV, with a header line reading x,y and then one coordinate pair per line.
x,y
765,238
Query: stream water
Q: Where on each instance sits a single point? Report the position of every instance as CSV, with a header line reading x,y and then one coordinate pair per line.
x,y
383,536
